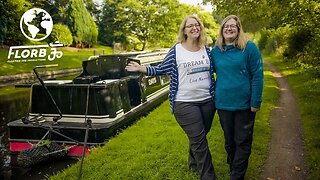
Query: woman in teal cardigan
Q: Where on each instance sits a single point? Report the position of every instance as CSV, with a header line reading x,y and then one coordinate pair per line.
x,y
238,94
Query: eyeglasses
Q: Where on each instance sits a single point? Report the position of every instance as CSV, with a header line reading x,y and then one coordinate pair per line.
x,y
232,26
193,25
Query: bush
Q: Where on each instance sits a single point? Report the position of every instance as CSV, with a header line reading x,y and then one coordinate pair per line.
x,y
268,41
262,43
311,54
297,42
61,33
93,36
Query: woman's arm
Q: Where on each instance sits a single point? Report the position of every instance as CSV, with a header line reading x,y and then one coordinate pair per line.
x,y
135,67
256,71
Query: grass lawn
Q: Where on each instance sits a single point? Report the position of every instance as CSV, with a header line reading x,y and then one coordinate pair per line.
x,y
155,147
306,87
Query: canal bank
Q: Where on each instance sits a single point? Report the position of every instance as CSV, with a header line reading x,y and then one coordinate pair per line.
x,y
9,80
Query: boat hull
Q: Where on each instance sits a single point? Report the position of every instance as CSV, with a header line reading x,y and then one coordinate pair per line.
x,y
100,131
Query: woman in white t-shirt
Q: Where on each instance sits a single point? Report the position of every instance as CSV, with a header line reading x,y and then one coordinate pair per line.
x,y
191,95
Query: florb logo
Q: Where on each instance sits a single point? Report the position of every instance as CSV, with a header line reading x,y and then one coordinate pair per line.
x,y
36,24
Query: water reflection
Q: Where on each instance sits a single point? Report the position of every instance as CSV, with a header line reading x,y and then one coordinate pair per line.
x,y
15,104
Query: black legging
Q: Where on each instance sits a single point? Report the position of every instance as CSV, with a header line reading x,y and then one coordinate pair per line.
x,y
238,133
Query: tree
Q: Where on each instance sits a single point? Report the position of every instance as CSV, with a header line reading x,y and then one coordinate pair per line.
x,y
81,24
109,28
61,33
92,8
211,26
140,22
145,23
11,13
59,11
297,20
254,15
149,20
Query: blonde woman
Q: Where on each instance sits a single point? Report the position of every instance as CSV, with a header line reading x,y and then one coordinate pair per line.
x,y
238,93
191,93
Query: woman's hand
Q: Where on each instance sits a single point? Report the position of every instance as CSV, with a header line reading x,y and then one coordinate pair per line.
x,y
135,67
254,109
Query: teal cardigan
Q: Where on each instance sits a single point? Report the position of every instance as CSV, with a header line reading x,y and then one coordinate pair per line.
x,y
239,77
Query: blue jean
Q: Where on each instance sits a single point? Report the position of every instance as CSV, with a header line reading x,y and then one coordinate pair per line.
x,y
238,133
195,118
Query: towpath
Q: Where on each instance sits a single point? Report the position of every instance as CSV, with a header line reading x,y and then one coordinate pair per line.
x,y
286,153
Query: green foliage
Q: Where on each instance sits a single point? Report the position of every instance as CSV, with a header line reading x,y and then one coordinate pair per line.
x,y
211,26
300,13
61,33
311,53
142,24
165,34
274,40
81,24
40,3
298,45
92,37
92,7
131,25
254,14
11,12
287,27
149,22
297,41
109,31
59,11
265,35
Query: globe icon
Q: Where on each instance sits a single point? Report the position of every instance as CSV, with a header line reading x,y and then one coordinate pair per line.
x,y
36,24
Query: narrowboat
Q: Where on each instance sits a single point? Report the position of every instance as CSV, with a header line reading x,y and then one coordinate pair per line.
x,y
70,117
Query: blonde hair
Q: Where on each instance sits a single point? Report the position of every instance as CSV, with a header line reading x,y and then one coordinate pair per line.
x,y
241,40
202,39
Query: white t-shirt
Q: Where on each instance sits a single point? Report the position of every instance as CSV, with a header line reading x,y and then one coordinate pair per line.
x,y
194,75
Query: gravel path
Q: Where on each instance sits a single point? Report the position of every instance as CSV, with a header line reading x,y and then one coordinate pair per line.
x,y
286,152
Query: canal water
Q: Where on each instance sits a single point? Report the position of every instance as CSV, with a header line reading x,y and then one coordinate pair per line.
x,y
14,104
